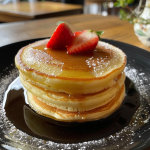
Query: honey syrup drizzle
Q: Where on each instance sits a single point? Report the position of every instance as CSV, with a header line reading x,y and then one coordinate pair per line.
x,y
83,61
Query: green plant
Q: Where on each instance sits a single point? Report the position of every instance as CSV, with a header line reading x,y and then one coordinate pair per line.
x,y
132,14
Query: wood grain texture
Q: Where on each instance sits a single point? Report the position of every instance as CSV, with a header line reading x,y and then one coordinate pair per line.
x,y
27,11
114,28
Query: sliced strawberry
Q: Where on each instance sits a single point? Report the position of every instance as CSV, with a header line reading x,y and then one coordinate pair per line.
x,y
61,37
83,41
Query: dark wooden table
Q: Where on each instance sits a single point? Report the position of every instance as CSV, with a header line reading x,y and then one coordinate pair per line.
x,y
22,11
114,28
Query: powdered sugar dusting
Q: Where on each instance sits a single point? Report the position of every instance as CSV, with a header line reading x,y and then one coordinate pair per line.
x,y
114,58
125,139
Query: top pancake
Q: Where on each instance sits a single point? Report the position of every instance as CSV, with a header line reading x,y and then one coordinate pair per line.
x,y
74,74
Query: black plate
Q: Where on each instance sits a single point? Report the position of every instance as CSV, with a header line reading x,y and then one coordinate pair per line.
x,y
136,136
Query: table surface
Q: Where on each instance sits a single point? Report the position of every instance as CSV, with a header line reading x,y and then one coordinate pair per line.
x,y
114,28
31,10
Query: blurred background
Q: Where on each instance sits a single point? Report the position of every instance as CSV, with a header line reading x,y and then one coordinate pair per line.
x,y
100,7
81,12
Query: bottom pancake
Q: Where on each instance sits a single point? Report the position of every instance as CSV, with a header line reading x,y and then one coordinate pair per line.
x,y
58,114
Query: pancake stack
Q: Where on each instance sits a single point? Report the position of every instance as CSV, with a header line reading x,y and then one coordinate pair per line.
x,y
80,87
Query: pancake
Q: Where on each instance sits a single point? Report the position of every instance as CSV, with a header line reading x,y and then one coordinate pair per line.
x,y
79,87
72,74
68,116
76,103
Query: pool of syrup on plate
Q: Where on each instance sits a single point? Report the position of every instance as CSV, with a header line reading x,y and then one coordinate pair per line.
x,y
24,118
